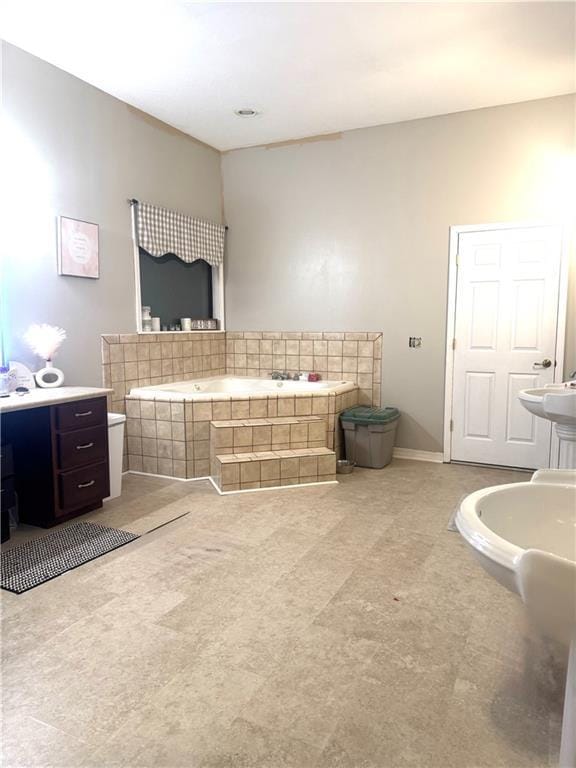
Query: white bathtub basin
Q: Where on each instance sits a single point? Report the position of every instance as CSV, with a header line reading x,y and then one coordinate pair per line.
x,y
524,535
240,385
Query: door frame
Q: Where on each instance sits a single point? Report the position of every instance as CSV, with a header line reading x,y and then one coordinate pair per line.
x,y
455,232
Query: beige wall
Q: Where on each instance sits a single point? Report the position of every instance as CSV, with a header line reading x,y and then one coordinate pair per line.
x,y
352,233
76,151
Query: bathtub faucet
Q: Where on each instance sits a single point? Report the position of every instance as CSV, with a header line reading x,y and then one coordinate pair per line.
x,y
281,376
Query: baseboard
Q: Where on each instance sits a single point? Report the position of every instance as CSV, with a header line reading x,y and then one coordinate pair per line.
x,y
270,488
414,455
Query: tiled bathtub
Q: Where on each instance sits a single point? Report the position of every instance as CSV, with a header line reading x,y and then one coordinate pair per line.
x,y
168,427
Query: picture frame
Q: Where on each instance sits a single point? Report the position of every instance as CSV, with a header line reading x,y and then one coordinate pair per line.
x,y
78,248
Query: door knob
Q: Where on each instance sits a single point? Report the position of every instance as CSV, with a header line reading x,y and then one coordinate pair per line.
x,y
546,363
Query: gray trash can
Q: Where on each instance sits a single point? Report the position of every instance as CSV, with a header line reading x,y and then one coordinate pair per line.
x,y
370,434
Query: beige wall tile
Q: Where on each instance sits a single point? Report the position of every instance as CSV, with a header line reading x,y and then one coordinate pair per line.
x,y
149,446
240,409
133,427
289,467
179,468
317,430
320,349
135,463
270,469
303,406
164,430
298,433
202,411
116,353
150,464
165,467
164,449
335,348
117,372
258,408
250,472
201,430
221,410
201,468
230,473
178,430
242,436
201,449
148,428
134,446
326,465
177,411
163,411
261,435
222,437
286,406
308,466
179,450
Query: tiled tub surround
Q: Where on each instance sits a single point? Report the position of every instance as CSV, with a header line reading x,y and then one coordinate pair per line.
x,y
355,357
139,360
168,433
142,359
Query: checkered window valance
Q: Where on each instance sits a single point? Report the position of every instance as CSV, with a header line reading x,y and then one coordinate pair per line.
x,y
162,231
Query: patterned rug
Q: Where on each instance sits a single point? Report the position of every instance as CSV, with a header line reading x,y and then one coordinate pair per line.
x,y
28,565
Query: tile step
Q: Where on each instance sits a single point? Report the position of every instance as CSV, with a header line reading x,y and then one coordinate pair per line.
x,y
270,469
279,433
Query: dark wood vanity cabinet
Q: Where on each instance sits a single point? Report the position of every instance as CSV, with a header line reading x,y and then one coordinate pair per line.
x,y
60,459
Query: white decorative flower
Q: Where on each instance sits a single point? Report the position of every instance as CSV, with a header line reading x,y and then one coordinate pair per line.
x,y
44,340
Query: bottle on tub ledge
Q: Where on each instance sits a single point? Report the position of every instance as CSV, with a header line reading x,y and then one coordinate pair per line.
x,y
146,319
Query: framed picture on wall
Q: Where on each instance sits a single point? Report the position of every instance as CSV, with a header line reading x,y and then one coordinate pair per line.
x,y
78,249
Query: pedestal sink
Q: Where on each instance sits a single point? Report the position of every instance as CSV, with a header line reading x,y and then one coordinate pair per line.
x,y
524,535
557,403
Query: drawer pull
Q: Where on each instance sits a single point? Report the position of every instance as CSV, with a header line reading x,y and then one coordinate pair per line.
x,y
84,413
86,445
86,485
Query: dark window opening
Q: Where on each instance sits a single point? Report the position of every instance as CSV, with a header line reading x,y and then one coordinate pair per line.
x,y
175,289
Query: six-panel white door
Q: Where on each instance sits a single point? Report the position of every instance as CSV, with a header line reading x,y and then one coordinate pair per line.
x,y
505,339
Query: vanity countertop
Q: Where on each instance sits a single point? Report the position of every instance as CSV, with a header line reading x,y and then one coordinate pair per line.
x,y
39,397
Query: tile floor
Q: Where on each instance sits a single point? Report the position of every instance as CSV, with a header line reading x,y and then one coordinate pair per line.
x,y
329,627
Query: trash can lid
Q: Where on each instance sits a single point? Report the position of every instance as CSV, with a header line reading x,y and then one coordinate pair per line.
x,y
365,414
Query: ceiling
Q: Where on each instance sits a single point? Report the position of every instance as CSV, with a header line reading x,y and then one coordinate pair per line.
x,y
309,68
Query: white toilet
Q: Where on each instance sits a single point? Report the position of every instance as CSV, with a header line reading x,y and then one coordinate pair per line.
x,y
116,423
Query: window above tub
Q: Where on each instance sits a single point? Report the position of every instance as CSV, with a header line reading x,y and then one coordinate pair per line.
x,y
178,269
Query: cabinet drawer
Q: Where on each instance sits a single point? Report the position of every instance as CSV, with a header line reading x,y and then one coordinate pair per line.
x,y
7,493
6,460
82,446
82,487
81,413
